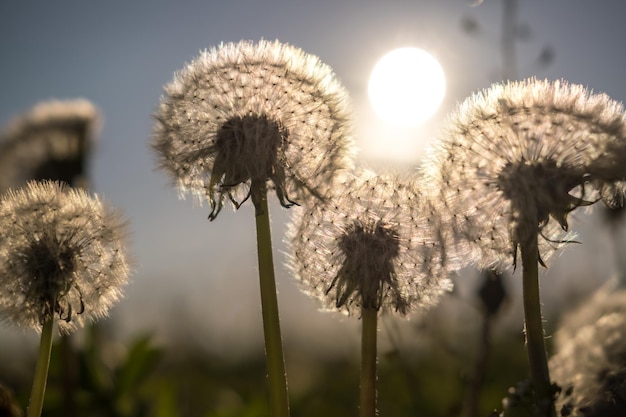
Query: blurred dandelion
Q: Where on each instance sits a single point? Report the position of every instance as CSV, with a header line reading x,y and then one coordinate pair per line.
x,y
514,161
369,249
62,255
605,301
247,117
589,362
50,142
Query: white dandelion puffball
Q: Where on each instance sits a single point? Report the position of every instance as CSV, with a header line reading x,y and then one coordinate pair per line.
x,y
369,247
589,364
62,254
516,158
259,113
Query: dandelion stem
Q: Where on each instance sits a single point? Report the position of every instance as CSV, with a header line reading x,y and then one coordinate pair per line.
x,y
279,400
369,316
539,374
41,369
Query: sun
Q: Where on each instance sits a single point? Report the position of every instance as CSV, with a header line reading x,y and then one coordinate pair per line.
x,y
406,87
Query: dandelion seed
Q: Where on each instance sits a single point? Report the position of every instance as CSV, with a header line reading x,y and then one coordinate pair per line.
x,y
370,247
249,113
51,141
62,255
517,158
589,364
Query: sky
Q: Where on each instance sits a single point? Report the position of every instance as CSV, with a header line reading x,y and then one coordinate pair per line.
x,y
119,54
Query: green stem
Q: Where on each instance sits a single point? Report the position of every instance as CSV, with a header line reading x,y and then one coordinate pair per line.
x,y
41,370
539,373
279,400
369,316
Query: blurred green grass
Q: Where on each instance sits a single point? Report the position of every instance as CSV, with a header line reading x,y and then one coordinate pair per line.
x,y
144,380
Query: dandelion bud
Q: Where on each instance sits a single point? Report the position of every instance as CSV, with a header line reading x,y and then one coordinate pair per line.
x,y
249,113
492,292
370,246
62,255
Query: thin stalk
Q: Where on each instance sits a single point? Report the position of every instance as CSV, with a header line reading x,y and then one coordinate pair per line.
x,y
480,367
369,318
41,370
535,346
279,399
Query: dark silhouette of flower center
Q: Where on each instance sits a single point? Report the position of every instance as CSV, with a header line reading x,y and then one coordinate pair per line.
x,y
367,273
249,150
52,269
538,192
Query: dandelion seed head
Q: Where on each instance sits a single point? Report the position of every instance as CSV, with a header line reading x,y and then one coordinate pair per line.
x,y
590,363
369,246
515,159
62,254
604,302
51,141
244,112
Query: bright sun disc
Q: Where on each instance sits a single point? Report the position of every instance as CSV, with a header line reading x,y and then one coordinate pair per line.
x,y
406,87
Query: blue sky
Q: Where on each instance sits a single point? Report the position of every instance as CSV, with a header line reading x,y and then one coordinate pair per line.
x,y
119,54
